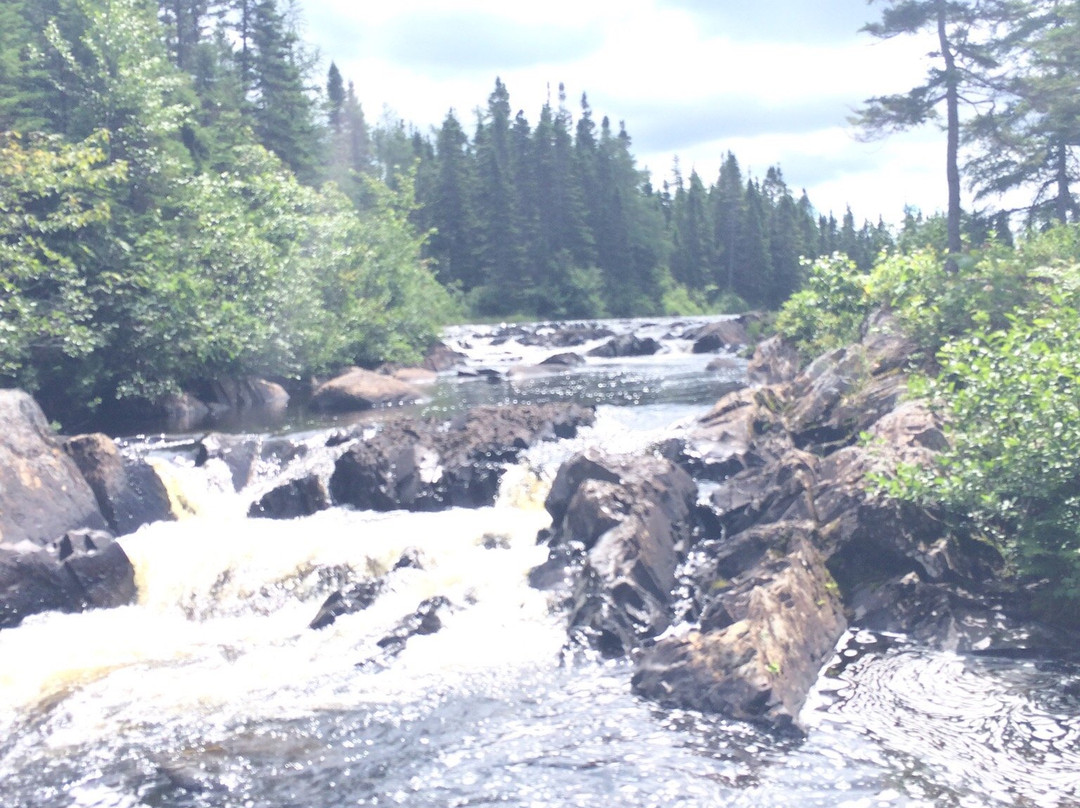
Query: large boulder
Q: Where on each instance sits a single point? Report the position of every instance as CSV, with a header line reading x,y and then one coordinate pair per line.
x,y
621,525
760,652
361,389
441,357
128,491
430,465
719,336
83,570
42,493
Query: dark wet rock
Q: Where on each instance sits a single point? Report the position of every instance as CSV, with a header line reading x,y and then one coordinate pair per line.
x,y
489,374
183,411
42,492
621,526
431,465
719,336
743,430
441,357
300,497
94,572
626,345
242,394
350,600
425,620
246,455
105,576
238,452
758,660
31,582
564,360
578,334
360,389
129,492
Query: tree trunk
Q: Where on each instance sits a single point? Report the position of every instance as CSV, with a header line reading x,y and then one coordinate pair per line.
x,y
1063,197
952,168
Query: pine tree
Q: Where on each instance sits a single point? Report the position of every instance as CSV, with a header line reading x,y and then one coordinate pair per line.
x,y
283,112
960,79
1029,139
727,199
452,205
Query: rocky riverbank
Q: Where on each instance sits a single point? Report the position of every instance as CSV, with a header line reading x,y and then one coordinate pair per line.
x,y
726,563
732,599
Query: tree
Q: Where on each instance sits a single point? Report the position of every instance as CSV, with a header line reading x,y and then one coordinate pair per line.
x,y
283,112
452,208
1031,137
961,77
53,195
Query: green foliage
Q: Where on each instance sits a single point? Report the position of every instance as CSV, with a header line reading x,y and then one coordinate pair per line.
x,y
128,271
51,195
1011,402
829,310
932,303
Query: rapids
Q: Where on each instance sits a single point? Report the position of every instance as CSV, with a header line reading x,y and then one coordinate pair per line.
x,y
211,691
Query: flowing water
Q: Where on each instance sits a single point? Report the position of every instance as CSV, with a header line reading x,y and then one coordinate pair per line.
x,y
211,690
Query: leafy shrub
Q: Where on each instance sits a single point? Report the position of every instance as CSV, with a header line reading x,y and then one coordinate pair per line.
x,y
1011,402
829,310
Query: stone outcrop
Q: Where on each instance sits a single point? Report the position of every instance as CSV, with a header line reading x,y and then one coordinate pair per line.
x,y
430,465
360,389
621,526
58,501
792,542
42,493
762,639
129,493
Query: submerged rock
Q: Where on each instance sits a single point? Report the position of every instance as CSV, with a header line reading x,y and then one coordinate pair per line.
x,y
425,620
354,599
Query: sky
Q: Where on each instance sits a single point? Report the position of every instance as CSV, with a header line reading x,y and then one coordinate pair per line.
x,y
772,81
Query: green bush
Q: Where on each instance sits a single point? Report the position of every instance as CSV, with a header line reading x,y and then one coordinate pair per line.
x,y
1011,402
828,312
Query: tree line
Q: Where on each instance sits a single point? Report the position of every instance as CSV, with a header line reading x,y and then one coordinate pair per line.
x,y
557,220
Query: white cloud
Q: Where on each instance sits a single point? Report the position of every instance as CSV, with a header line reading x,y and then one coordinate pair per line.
x,y
670,68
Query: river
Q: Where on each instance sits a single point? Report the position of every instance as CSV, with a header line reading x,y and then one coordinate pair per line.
x,y
212,692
